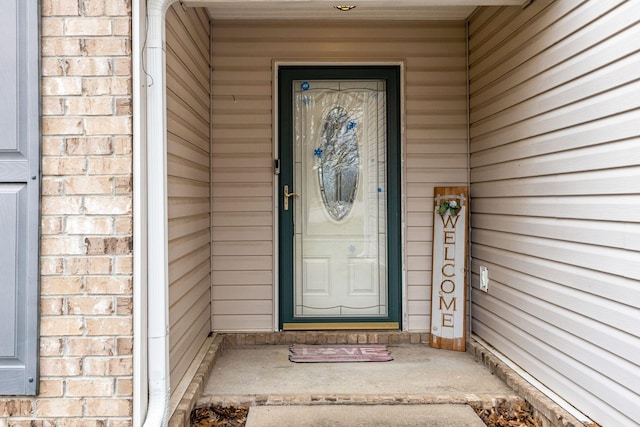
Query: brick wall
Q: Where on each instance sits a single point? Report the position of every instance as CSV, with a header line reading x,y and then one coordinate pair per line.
x,y
86,260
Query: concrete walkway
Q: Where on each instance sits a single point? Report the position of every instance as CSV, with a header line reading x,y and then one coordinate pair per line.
x,y
278,390
369,416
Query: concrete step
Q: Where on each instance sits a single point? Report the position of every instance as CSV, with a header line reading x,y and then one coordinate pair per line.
x,y
363,416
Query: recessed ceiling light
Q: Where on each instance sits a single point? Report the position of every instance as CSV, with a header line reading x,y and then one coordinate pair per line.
x,y
344,8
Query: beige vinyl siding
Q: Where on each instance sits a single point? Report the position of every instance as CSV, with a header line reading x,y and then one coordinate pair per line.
x,y
188,128
435,149
555,167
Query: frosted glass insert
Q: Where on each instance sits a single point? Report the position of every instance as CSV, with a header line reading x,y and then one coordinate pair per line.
x,y
338,163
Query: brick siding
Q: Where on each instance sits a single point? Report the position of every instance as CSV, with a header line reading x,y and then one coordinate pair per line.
x,y
86,333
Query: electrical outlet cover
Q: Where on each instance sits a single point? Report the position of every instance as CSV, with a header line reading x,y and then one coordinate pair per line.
x,y
484,278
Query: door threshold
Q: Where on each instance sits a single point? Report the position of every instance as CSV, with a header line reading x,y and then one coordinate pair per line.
x,y
325,326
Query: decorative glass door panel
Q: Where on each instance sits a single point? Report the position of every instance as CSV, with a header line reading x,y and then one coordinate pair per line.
x,y
339,209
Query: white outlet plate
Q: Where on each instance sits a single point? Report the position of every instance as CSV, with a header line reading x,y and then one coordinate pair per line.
x,y
484,278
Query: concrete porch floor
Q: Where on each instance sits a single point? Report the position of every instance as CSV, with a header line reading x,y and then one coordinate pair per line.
x,y
253,370
417,370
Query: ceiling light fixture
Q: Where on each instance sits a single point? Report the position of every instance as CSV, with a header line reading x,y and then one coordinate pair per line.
x,y
344,8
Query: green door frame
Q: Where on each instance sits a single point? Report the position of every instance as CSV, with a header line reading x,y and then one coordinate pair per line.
x,y
391,75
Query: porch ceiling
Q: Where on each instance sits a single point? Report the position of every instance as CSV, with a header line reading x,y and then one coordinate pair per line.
x,y
364,10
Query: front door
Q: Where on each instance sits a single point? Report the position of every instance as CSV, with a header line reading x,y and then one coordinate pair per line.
x,y
339,197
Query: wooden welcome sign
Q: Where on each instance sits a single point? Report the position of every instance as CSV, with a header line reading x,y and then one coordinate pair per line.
x,y
448,290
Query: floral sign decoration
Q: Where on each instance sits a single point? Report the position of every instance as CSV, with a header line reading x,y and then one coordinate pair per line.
x,y
449,205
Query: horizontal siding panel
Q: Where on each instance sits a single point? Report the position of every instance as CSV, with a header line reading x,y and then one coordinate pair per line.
x,y
615,154
418,263
605,208
225,105
579,90
181,207
238,74
420,219
180,168
420,204
567,375
244,292
248,131
610,260
617,235
240,219
241,234
418,247
190,38
256,118
179,126
193,99
439,176
562,32
238,322
281,31
575,45
242,175
435,161
439,147
264,247
451,77
185,265
595,183
244,146
436,132
245,278
419,190
299,48
419,293
421,105
620,127
189,153
185,225
188,186
571,307
182,104
187,346
199,275
248,307
592,282
242,204
419,323
419,308
496,24
555,193
420,234
247,263
246,189
232,89
419,278
193,298
241,160
619,46
198,240
615,101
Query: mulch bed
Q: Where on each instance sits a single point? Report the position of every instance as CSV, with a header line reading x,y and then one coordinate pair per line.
x,y
219,416
505,415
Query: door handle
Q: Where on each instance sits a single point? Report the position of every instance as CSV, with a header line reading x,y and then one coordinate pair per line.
x,y
286,197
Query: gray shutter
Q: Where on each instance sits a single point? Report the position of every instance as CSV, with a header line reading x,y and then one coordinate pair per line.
x,y
19,196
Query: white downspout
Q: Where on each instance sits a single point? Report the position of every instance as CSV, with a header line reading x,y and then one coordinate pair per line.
x,y
157,228
140,212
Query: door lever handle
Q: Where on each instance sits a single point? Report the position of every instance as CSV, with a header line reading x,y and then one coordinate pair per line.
x,y
286,197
